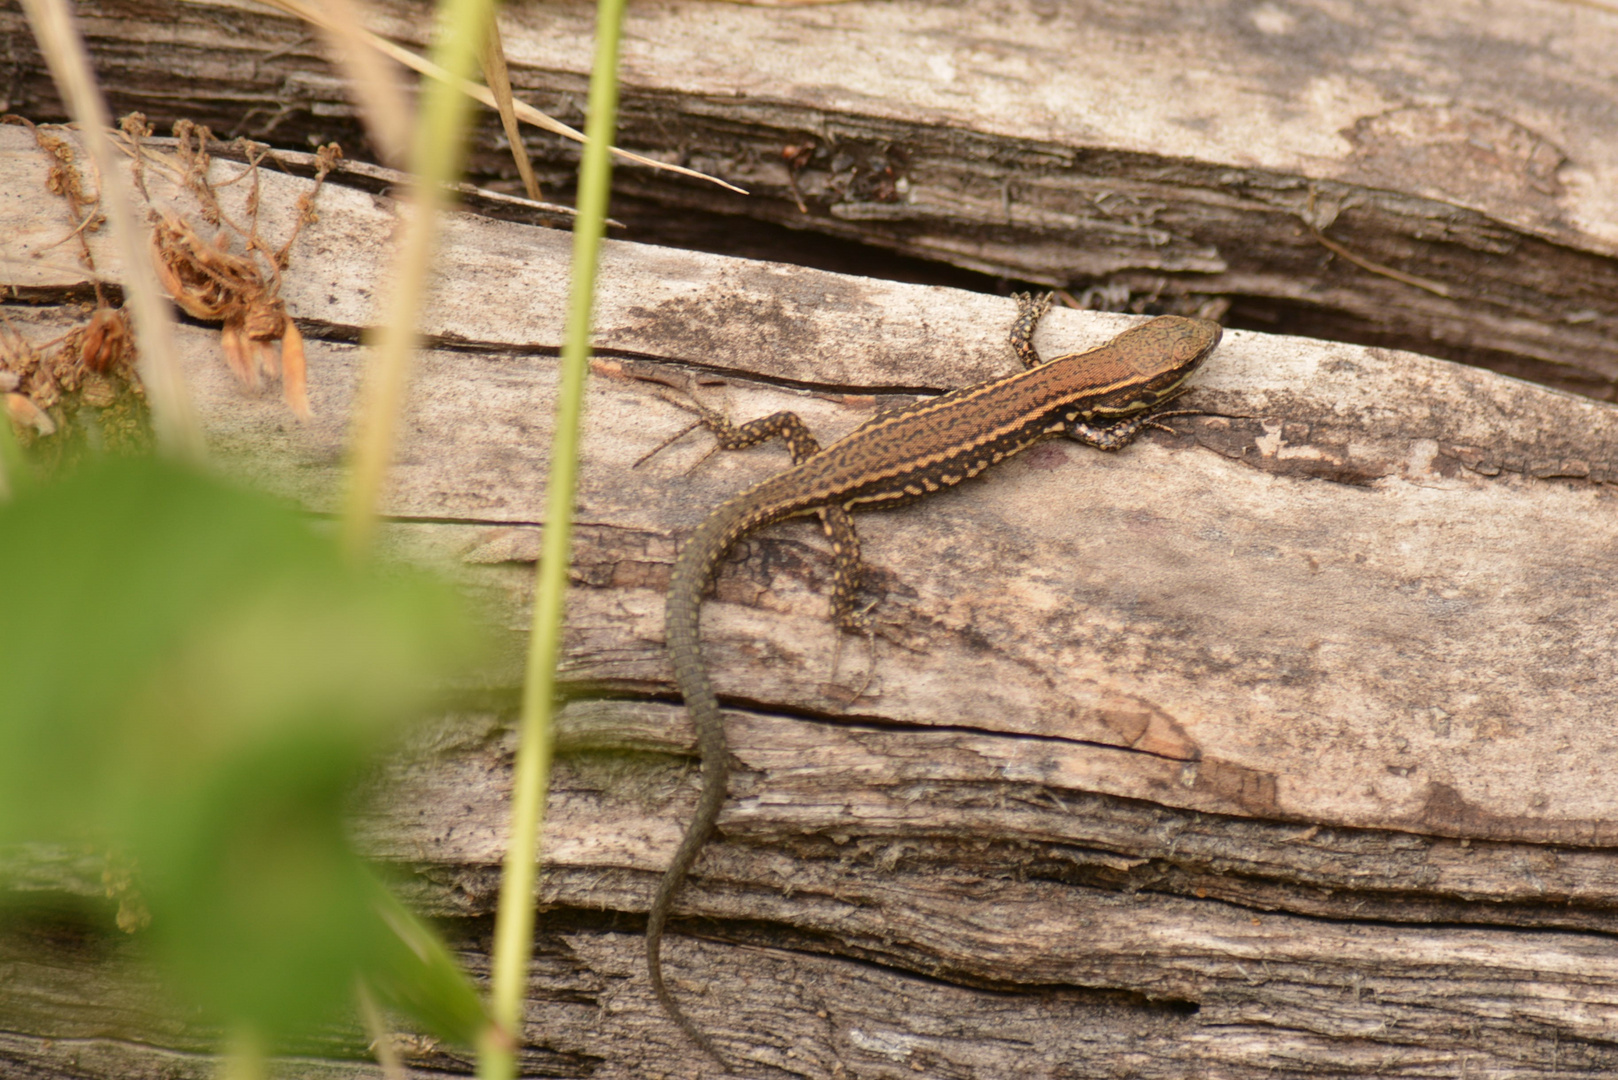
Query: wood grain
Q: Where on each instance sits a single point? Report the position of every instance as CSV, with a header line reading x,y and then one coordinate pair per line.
x,y
1437,176
1276,747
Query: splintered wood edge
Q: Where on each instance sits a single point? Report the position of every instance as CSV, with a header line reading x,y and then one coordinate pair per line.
x,y
1288,409
1383,205
1358,418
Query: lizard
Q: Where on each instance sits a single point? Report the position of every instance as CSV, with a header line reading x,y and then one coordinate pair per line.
x,y
1103,397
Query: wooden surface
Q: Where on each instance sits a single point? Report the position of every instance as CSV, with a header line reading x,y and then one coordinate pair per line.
x,y
1281,747
1461,156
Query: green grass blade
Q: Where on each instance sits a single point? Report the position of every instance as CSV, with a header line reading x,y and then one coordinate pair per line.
x,y
514,925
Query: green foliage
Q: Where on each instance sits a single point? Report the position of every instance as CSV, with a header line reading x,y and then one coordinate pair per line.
x,y
194,677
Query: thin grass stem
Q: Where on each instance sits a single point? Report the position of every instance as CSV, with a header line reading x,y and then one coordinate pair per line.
x,y
514,923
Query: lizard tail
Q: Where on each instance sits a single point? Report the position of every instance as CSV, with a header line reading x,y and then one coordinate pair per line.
x,y
693,573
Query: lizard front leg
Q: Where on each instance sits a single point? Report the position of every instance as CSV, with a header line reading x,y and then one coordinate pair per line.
x,y
1029,311
1114,436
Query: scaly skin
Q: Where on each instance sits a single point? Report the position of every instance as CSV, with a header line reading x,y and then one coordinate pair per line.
x,y
1103,397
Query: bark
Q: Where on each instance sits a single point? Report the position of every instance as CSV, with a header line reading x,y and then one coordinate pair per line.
x,y
1279,746
1438,177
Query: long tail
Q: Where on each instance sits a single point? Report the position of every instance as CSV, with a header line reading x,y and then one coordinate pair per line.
x,y
693,573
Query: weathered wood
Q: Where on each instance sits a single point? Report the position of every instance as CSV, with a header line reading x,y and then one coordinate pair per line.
x,y
1277,747
1155,152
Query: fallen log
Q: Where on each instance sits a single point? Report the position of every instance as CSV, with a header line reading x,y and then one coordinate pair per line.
x,y
1279,745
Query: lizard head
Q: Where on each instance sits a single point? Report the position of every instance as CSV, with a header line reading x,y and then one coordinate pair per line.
x,y
1162,353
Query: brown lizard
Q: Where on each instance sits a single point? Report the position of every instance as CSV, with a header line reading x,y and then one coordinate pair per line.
x,y
1103,397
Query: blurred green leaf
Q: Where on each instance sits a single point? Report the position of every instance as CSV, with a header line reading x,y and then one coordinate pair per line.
x,y
419,976
193,678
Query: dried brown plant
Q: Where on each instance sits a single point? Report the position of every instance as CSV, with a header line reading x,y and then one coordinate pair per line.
x,y
212,281
213,268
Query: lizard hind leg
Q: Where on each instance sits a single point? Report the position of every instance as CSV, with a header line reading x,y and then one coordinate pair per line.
x,y
837,522
791,429
787,426
666,443
683,398
847,571
846,568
